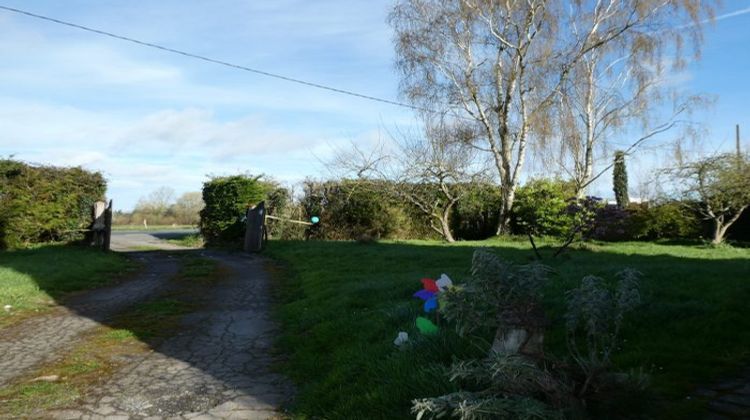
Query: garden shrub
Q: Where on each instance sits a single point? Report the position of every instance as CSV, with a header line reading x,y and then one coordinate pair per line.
x,y
280,203
356,209
613,223
668,220
45,203
541,207
226,202
477,213
511,382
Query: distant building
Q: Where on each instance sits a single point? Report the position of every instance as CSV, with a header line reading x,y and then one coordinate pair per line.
x,y
633,200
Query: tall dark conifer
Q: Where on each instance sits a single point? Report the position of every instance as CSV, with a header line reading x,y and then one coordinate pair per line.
x,y
620,180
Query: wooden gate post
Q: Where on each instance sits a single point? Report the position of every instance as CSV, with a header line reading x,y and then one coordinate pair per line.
x,y
256,218
97,227
107,227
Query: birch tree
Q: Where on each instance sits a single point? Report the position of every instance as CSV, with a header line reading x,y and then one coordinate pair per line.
x,y
615,91
502,64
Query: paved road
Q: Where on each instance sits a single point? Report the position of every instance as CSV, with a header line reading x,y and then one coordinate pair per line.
x,y
217,366
130,241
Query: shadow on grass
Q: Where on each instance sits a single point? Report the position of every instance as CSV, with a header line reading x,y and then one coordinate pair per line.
x,y
204,310
343,303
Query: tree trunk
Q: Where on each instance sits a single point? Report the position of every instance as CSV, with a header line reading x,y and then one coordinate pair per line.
x,y
719,231
508,197
590,119
446,228
721,228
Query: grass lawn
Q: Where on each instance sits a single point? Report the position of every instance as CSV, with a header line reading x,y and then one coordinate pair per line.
x,y
342,304
32,279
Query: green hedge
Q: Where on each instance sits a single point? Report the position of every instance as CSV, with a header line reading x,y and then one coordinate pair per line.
x,y
477,213
226,202
45,203
667,220
358,209
369,209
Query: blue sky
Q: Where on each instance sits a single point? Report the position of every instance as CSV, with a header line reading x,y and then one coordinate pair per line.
x,y
146,118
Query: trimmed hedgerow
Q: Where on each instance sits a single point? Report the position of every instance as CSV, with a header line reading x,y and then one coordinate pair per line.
x,y
372,209
45,203
477,213
361,209
226,202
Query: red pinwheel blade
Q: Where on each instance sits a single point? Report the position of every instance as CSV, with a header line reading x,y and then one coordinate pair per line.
x,y
430,285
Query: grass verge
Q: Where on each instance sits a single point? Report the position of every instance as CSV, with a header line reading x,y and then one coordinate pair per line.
x,y
31,280
194,240
342,304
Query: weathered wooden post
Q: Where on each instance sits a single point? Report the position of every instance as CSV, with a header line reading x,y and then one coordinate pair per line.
x,y
107,227
256,218
98,226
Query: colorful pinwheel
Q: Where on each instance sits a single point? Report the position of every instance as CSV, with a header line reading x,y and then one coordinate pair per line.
x,y
429,294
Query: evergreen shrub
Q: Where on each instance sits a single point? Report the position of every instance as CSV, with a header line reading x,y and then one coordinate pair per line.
x,y
45,203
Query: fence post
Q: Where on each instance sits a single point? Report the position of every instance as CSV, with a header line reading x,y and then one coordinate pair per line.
x,y
97,227
107,227
254,231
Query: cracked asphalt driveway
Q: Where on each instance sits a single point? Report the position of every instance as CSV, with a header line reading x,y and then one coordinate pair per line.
x,y
217,365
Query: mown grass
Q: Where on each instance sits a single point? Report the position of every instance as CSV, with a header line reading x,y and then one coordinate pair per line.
x,y
33,279
342,304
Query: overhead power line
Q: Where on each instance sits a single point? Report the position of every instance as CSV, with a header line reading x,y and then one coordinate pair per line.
x,y
215,61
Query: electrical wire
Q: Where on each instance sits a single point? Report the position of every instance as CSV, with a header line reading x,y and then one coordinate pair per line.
x,y
216,61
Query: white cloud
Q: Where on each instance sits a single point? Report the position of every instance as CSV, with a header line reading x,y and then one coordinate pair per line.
x,y
148,118
169,147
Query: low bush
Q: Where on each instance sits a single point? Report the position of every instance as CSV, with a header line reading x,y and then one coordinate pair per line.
x,y
668,220
516,379
45,203
612,223
355,209
541,207
280,202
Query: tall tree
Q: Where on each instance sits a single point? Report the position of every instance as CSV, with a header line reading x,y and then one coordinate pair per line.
x,y
502,64
187,208
620,180
157,202
717,188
